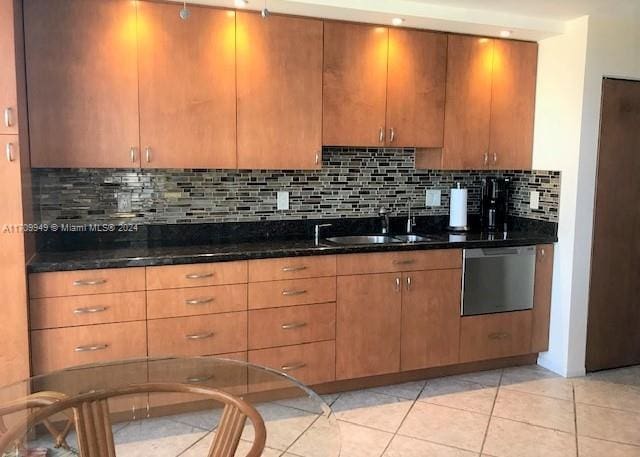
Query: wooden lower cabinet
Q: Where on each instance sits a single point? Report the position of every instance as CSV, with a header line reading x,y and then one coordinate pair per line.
x,y
542,298
430,318
192,301
272,294
368,325
86,282
492,336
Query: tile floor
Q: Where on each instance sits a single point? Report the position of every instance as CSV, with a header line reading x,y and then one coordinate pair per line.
x,y
515,412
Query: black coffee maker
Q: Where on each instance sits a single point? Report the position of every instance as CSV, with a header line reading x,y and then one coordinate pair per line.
x,y
494,203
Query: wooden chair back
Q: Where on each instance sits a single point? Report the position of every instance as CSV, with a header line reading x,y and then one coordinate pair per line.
x,y
93,425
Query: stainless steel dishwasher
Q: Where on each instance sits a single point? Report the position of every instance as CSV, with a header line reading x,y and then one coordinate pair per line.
x,y
497,280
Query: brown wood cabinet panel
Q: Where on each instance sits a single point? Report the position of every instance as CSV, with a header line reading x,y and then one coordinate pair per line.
x,y
11,211
86,282
416,88
54,349
368,325
275,294
514,73
8,82
86,310
492,336
196,275
353,264
355,84
542,298
430,318
198,335
83,82
193,301
292,268
279,92
468,102
291,325
187,87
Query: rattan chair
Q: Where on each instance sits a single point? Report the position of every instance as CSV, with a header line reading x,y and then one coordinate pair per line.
x,y
93,425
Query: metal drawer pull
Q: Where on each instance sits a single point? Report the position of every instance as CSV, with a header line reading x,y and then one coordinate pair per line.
x,y
397,284
89,282
289,293
8,117
199,301
199,275
291,269
293,325
404,262
409,281
97,309
499,336
198,379
199,336
92,348
295,366
9,152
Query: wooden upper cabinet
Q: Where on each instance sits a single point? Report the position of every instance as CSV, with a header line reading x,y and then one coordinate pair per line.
x,y
8,88
468,104
279,70
187,87
416,88
513,104
355,84
83,82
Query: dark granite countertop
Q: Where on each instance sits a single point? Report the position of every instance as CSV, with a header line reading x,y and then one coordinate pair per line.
x,y
171,245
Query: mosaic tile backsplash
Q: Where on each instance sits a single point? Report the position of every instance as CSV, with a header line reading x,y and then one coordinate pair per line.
x,y
351,183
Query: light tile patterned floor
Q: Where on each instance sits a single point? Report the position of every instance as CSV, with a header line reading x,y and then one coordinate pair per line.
x,y
516,412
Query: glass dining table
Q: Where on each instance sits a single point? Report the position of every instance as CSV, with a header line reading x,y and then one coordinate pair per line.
x,y
298,421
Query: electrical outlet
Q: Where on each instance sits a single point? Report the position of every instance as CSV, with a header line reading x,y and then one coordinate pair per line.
x,y
124,202
283,200
433,197
534,199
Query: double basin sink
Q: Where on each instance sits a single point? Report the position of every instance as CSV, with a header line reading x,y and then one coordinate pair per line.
x,y
381,239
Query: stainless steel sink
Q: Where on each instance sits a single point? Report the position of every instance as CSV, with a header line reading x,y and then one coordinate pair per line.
x,y
414,238
368,239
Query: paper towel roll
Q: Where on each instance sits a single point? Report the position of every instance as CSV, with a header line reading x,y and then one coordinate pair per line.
x,y
458,209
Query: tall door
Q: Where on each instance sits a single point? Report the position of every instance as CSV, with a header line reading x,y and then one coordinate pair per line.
x,y
430,318
416,88
83,83
368,325
613,339
8,89
279,92
512,104
355,84
468,103
187,87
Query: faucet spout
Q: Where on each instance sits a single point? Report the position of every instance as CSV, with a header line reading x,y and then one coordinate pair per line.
x,y
384,216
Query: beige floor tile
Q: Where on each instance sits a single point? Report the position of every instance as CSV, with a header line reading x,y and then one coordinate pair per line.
x,y
408,390
507,438
360,441
489,378
371,409
607,394
206,420
448,426
201,447
535,409
284,425
456,393
537,380
589,447
403,446
608,424
322,439
159,437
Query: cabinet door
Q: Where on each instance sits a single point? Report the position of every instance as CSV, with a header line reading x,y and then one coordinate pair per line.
x,y
368,325
279,92
8,93
415,88
468,104
355,84
430,318
83,82
187,87
513,104
542,298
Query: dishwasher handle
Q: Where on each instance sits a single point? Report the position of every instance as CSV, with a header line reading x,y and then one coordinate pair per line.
x,y
499,252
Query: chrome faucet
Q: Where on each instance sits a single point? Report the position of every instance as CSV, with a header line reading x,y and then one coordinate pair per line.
x,y
317,232
411,221
384,219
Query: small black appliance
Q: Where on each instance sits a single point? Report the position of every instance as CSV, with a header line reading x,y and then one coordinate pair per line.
x,y
494,203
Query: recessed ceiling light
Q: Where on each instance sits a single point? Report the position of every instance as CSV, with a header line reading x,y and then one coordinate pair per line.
x,y
241,3
397,21
506,33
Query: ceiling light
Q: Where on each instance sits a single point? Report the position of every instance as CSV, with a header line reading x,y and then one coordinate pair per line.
x,y
397,21
505,33
241,3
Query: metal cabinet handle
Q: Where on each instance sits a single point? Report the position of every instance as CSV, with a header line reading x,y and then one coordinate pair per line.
x,y
293,325
317,158
293,366
542,252
89,282
392,135
495,158
97,309
397,284
147,154
486,158
91,348
198,275
295,268
289,293
404,262
499,336
9,151
199,379
132,154
381,135
199,301
409,282
8,117
199,336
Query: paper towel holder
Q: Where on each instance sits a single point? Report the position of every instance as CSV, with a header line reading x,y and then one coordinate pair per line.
x,y
464,227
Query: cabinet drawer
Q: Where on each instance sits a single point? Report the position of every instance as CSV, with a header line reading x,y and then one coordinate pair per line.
x,y
194,275
86,282
291,325
292,268
388,262
64,347
192,301
312,363
86,310
493,336
294,292
198,335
